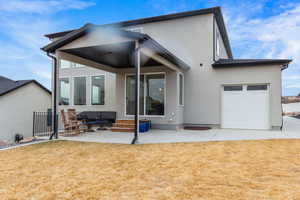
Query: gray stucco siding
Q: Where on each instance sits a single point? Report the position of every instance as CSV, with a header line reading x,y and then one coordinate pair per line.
x,y
208,109
17,107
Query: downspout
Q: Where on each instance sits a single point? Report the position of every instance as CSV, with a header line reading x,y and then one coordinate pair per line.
x,y
136,55
283,68
54,118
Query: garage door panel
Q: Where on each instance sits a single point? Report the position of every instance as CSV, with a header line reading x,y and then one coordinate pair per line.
x,y
245,109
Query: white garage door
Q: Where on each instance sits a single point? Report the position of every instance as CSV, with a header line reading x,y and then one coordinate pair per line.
x,y
245,106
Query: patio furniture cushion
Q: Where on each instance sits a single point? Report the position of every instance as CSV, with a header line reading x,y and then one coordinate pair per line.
x,y
98,117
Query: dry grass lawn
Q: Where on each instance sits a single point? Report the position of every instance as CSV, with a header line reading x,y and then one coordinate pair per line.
x,y
267,169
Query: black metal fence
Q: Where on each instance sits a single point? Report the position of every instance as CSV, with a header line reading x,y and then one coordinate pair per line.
x,y
42,124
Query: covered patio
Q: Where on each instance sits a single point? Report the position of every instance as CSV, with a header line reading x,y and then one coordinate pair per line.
x,y
142,67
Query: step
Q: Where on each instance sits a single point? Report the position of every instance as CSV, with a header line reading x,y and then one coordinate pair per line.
x,y
118,129
121,125
124,121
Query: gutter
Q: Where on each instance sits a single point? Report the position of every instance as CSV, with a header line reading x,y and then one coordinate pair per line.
x,y
54,118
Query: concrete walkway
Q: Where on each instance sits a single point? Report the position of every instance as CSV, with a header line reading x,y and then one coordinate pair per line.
x,y
291,129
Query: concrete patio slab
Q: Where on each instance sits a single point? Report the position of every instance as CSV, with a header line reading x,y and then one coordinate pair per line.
x,y
291,129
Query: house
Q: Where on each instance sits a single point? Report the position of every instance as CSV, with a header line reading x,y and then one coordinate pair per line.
x,y
184,70
18,101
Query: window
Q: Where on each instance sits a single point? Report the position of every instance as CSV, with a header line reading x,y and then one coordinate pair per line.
x,y
218,43
64,91
79,91
98,88
233,88
181,89
130,95
77,65
257,87
152,94
155,93
64,64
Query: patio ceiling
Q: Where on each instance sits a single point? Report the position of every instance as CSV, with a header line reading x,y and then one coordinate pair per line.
x,y
117,55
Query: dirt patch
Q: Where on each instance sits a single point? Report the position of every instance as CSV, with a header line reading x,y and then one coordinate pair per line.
x,y
267,169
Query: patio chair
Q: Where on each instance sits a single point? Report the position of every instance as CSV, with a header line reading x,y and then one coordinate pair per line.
x,y
72,126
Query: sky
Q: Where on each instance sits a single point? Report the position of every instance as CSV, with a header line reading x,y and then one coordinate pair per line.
x,y
256,29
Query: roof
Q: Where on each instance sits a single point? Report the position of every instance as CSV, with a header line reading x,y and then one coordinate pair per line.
x,y
151,43
214,10
8,85
249,62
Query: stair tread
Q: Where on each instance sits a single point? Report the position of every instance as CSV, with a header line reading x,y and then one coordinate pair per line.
x,y
121,128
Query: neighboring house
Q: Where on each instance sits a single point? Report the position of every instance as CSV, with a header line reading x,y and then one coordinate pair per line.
x,y
18,101
188,73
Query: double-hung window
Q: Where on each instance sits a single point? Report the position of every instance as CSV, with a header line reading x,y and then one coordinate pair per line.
x,y
98,88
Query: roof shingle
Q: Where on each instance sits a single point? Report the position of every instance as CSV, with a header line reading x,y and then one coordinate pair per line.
x,y
8,85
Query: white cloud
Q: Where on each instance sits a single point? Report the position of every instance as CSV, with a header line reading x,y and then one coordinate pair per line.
x,y
276,36
42,6
46,73
23,25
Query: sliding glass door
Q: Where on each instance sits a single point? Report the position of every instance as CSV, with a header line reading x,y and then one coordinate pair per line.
x,y
130,95
152,94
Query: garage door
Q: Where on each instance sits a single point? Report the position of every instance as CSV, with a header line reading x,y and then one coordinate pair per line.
x,y
245,106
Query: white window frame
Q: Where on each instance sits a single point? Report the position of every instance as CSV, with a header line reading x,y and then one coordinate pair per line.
x,y
60,65
86,89
91,90
70,89
165,94
178,88
70,65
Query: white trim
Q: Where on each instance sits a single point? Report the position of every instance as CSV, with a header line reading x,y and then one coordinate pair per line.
x,y
165,94
91,90
178,89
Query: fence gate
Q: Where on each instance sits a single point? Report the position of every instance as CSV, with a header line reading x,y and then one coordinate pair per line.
x,y
42,123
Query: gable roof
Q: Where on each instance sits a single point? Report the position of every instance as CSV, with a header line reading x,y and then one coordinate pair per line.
x,y
248,62
214,10
8,85
151,43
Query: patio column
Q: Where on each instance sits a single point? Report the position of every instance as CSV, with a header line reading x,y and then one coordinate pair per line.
x,y
137,90
54,93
